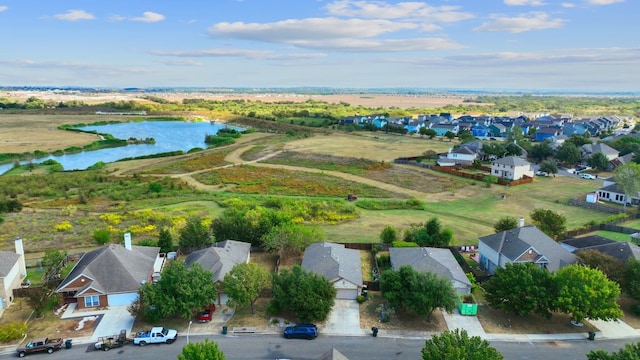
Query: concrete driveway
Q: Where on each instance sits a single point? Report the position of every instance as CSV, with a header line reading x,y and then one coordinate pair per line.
x,y
344,319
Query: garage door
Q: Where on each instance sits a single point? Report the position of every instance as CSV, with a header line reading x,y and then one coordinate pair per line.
x,y
122,299
347,294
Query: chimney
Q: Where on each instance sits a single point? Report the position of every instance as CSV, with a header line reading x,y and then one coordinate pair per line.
x,y
21,260
520,222
127,240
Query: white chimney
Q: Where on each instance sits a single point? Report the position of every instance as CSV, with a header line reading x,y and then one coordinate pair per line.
x,y
19,246
520,222
21,259
127,240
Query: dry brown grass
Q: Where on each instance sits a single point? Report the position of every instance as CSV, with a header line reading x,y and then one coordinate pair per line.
x,y
498,322
370,317
629,318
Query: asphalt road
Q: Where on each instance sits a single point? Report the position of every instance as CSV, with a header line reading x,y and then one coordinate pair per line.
x,y
273,347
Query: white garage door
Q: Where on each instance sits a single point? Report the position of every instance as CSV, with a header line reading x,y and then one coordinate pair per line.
x,y
347,294
122,299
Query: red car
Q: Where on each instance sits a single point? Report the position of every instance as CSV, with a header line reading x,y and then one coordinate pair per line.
x,y
207,314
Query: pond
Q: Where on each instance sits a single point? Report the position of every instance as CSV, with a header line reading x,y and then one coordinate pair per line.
x,y
169,136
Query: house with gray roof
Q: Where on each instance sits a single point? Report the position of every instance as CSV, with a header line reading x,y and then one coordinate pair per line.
x,y
511,168
589,149
12,271
613,192
621,251
110,275
522,244
341,266
435,260
221,257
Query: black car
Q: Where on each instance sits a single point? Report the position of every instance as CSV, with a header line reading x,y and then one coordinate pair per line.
x,y
301,331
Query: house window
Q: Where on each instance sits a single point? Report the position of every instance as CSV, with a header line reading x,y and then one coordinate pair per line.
x,y
91,301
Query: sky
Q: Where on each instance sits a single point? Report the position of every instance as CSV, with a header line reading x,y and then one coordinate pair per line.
x,y
576,45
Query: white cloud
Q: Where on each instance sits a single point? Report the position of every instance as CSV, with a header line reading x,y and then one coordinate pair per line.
x,y
308,29
568,5
180,62
380,45
149,17
74,15
524,2
521,23
3,8
241,53
401,10
603,2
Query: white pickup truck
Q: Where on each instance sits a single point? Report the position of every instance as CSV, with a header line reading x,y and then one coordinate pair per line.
x,y
157,335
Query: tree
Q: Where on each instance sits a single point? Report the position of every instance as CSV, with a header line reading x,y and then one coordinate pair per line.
x,y
584,292
631,284
568,153
165,241
628,352
307,295
513,149
505,223
244,283
549,222
206,350
389,234
549,167
250,225
195,235
579,140
418,292
179,292
429,234
291,239
450,135
598,161
522,289
628,177
428,132
465,136
541,151
53,258
457,345
610,266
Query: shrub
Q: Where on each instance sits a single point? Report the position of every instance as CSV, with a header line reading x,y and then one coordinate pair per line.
x,y
635,310
403,244
63,226
102,236
360,299
13,331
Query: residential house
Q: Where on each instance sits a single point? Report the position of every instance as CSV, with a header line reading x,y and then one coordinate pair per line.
x,y
621,251
111,275
435,260
13,270
479,131
221,257
442,128
461,155
511,168
589,149
341,266
612,192
621,160
497,130
544,133
522,244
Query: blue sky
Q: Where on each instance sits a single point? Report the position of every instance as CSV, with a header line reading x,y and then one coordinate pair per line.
x,y
583,45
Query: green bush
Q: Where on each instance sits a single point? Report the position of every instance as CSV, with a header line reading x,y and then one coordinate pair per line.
x,y
102,236
635,310
13,331
360,299
403,244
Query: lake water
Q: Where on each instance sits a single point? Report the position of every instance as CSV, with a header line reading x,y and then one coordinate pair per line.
x,y
169,136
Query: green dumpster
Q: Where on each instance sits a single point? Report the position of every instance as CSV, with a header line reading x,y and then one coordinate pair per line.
x,y
224,330
592,335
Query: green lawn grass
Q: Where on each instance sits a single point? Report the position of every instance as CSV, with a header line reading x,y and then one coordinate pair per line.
x,y
612,235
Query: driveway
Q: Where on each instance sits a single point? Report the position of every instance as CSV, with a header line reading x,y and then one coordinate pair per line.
x,y
344,319
112,320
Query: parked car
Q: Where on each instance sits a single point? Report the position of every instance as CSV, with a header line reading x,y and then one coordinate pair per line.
x,y
40,345
541,173
301,331
581,167
157,335
587,176
207,314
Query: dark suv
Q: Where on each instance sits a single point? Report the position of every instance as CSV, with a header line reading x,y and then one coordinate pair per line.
x,y
301,331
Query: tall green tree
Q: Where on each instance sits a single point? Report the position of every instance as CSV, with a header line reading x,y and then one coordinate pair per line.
x,y
165,240
418,292
610,266
598,161
244,283
450,135
628,177
389,234
549,166
513,149
541,151
179,292
53,257
522,289
549,222
584,292
307,295
505,223
457,345
206,350
429,234
195,235
568,153
628,352
291,239
631,284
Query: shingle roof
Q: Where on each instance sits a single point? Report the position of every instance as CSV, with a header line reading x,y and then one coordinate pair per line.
x,y
515,242
588,241
221,257
7,260
333,354
512,161
622,251
114,269
439,261
333,261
